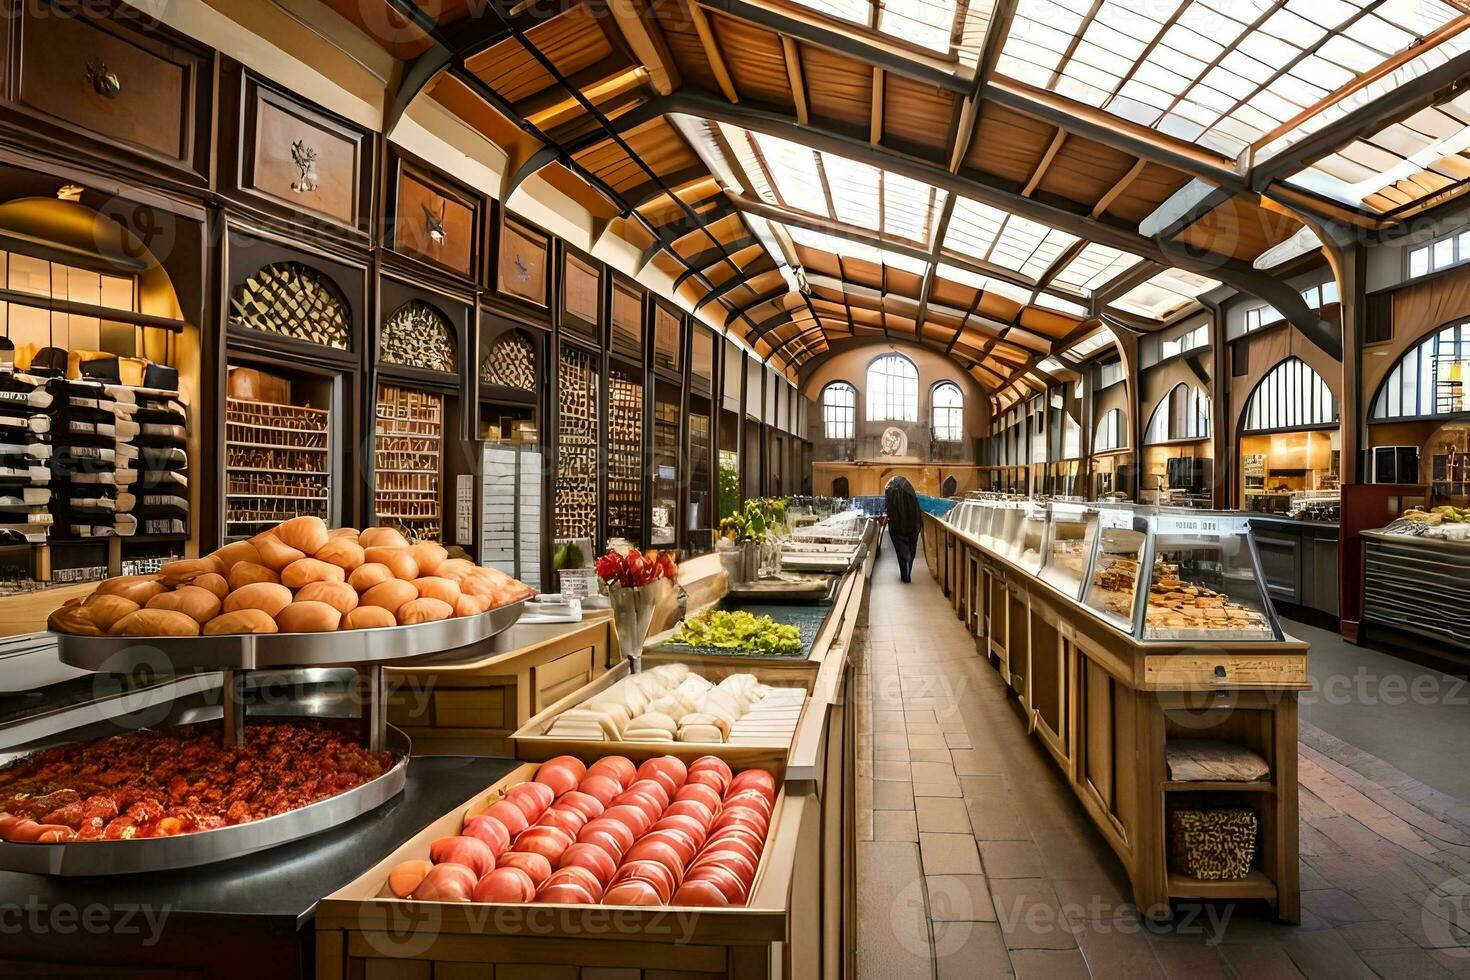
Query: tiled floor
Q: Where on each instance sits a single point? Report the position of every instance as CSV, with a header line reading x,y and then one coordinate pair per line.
x,y
976,861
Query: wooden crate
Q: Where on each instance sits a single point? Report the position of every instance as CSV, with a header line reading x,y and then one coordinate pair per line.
x,y
363,931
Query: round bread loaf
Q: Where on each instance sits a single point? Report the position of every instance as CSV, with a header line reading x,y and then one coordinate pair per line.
x,y
186,570
304,571
400,561
368,617
343,532
305,534
382,536
345,553
275,554
214,582
247,573
269,597
428,555
155,622
369,574
235,552
200,605
423,611
139,588
106,610
390,595
338,595
74,620
432,587
241,621
308,617
456,568
470,605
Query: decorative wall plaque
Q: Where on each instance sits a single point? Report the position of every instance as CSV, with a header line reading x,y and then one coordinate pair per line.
x,y
581,288
522,267
418,335
293,300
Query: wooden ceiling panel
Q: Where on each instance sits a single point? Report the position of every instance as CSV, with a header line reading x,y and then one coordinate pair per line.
x,y
1084,171
917,118
839,90
1240,228
460,101
998,307
1007,144
391,30
1049,322
1152,187
905,283
755,60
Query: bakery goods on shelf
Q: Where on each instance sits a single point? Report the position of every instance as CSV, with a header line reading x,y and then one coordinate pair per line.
x,y
671,703
298,577
1176,604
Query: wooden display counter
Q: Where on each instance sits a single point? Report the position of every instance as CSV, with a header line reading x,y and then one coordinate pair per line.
x,y
1107,706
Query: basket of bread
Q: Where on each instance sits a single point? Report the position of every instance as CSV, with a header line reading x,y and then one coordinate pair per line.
x,y
297,578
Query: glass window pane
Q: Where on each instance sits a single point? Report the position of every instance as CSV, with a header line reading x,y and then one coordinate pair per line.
x,y
30,275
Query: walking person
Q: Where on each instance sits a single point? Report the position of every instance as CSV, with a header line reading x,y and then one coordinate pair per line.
x,y
901,512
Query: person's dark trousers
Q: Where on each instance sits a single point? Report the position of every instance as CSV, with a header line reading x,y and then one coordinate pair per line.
x,y
903,550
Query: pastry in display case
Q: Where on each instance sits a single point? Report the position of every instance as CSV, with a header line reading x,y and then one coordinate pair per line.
x,y
1069,548
1122,544
1204,583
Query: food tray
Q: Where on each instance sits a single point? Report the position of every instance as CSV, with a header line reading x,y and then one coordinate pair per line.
x,y
148,854
251,651
807,619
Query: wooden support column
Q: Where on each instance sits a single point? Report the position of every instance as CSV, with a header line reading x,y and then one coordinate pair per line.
x,y
1129,345
1221,446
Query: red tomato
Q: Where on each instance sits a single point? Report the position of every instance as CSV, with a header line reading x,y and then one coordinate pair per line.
x,y
738,844
504,885
667,769
550,842
561,777
446,883
634,891
651,788
693,809
757,778
536,867
656,874
695,827
471,852
700,893
619,767
726,880
563,817
489,830
699,793
711,762
571,762
565,893
743,816
637,818
753,798
584,803
601,786
710,778
658,849
532,798
593,858
681,840
613,836
512,816
736,861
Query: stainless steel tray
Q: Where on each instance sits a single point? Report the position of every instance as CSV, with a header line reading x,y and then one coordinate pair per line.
x,y
114,857
125,654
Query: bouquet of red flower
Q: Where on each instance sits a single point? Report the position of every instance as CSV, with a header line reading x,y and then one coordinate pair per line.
x,y
636,567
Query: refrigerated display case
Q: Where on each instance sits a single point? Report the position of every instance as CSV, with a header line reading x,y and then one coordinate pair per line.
x,y
1069,547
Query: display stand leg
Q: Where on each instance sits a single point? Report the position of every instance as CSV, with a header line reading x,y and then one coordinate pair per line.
x,y
234,707
375,709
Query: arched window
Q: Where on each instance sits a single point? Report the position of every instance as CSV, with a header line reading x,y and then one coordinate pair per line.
x,y
1183,414
1429,380
948,411
839,411
1109,434
893,390
1290,396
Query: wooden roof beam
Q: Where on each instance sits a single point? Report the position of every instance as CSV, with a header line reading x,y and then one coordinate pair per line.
x,y
875,118
712,50
792,57
1106,201
646,41
1122,283
995,36
1044,164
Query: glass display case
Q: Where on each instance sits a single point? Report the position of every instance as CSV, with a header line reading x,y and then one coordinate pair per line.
x,y
1004,536
1121,549
1029,544
1069,547
1205,581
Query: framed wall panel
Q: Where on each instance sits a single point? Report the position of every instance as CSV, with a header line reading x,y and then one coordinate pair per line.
x,y
626,334
668,339
523,263
436,221
581,296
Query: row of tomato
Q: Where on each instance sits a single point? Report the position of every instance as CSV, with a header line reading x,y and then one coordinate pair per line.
x,y
612,833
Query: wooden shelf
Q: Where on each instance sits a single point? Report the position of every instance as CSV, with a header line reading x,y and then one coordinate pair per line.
x,y
1254,885
1217,786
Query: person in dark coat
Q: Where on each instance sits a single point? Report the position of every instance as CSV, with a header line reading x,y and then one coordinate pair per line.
x,y
902,514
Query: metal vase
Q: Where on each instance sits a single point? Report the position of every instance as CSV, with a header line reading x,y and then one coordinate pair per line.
x,y
632,610
749,566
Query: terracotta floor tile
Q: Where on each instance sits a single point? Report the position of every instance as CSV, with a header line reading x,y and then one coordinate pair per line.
x,y
1051,964
943,815
951,789
893,796
973,762
1010,859
1030,915
959,898
970,951
895,825
933,772
954,854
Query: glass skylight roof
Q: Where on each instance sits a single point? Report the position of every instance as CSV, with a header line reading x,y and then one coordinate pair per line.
x,y
848,249
1223,73
926,23
985,234
828,186
1095,266
1166,294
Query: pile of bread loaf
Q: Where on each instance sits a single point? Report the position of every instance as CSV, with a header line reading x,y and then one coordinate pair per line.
x,y
298,577
672,703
